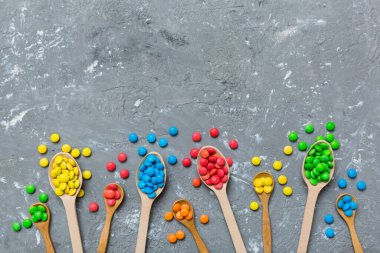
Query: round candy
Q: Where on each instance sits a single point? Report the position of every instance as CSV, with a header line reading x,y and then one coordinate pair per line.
x,y
30,188
142,151
86,174
330,233
277,165
335,144
54,137
122,157
194,153
330,126
66,148
93,207
329,219
75,153
172,238
353,205
346,198
319,138
186,162
111,166
309,128
361,185
196,182
288,150
124,174
43,197
44,162
27,223
282,179
254,205
42,149
196,137
293,136
163,143
172,159
203,218
173,131
329,137
86,152
80,193
168,216
256,160
133,137
229,161
234,144
287,191
151,138
302,146
16,226
214,132
342,183
352,173
111,202
348,213
180,234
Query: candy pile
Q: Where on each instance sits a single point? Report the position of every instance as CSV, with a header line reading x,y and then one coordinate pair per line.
x,y
38,213
180,235
151,175
112,194
65,176
318,163
213,168
182,211
263,184
348,205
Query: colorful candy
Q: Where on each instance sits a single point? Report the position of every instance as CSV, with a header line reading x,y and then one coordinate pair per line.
x,y
75,152
347,205
163,143
361,185
16,226
182,211
122,157
196,182
80,193
256,161
86,152
302,146
151,175
330,126
111,166
335,144
254,205
44,162
54,137
287,191
282,179
329,219
27,223
288,150
42,149
151,138
234,144
330,233
180,234
263,184
142,151
169,216
173,131
111,193
309,128
342,183
319,138
293,136
329,137
133,137
277,165
65,175
204,219
66,148
172,159
352,173
124,174
194,153
196,136
229,161
172,238
214,132
30,188
186,162
86,174
43,197
38,213
93,207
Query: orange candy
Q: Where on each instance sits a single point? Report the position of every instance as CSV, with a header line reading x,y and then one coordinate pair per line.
x,y
189,216
184,212
168,216
196,182
177,207
172,238
185,206
178,215
180,234
203,218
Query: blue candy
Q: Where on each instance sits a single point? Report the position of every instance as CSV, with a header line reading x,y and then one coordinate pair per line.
x,y
352,173
172,159
142,168
141,151
152,195
151,138
361,185
173,131
347,199
149,171
159,179
346,206
160,166
353,205
141,184
330,233
151,175
342,183
340,204
133,137
161,185
147,190
348,213
162,142
140,175
146,178
329,219
149,184
155,187
150,159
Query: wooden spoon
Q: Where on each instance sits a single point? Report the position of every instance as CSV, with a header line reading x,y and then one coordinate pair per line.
x,y
110,210
312,196
69,204
146,205
190,225
225,205
264,199
350,223
43,227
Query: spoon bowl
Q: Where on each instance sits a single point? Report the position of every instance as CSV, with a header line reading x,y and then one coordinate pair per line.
x,y
44,228
185,222
112,209
341,212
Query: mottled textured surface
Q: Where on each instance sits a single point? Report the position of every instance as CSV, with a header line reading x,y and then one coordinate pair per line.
x,y
96,70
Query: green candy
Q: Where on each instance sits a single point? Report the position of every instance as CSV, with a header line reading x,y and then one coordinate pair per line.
x,y
319,138
319,179
44,217
38,215
302,146
309,160
313,181
324,159
326,152
16,226
293,136
43,197
27,223
335,144
324,146
34,219
41,208
330,126
316,172
318,148
325,176
308,166
329,137
30,188
320,168
329,164
312,152
309,128
307,174
32,210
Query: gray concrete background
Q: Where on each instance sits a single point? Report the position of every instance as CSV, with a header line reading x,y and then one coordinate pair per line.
x,y
96,70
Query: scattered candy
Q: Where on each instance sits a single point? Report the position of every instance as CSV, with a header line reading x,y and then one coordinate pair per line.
x,y
180,234
329,219
42,149
214,132
122,157
142,151
93,207
86,152
65,176
151,138
196,136
151,175
43,197
335,144
256,161
293,136
54,138
66,148
234,144
86,174
124,174
111,166
111,193
172,159
204,218
44,162
330,126
329,137
319,138
263,184
182,211
16,226
282,179
342,183
277,165
27,223
287,191
80,193
288,150
194,153
75,153
302,146
163,143
330,233
38,213
172,238
186,162
347,205
196,182
352,173
169,216
229,161
254,205
133,137
30,188
309,128
361,185
173,131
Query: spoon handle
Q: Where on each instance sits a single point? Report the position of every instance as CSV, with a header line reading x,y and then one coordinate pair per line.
x,y
307,221
72,221
355,240
143,227
231,222
103,241
267,236
202,248
48,243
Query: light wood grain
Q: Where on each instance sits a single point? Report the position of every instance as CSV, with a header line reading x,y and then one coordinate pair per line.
x,y
313,193
110,211
221,194
44,228
350,221
69,204
190,225
146,206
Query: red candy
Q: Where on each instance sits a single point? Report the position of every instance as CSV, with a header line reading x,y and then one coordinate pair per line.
x,y
109,194
112,194
205,154
224,179
220,161
205,177
211,151
229,161
117,195
93,207
186,162
210,166
197,136
220,173
202,171
213,159
194,153
219,186
234,144
196,182
215,180
111,202
203,162
124,174
122,157
214,132
111,166
112,187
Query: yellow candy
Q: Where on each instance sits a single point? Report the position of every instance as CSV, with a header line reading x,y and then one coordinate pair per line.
x,y
80,193
72,162
287,191
67,190
256,160
268,189
63,165
66,148
86,152
53,173
75,178
42,149
58,159
268,181
56,182
288,150
76,171
44,162
62,186
257,182
72,192
69,166
54,137
259,189
63,178
58,192
254,205
277,165
71,175
86,174
76,184
65,172
75,153
282,179
262,179
71,185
